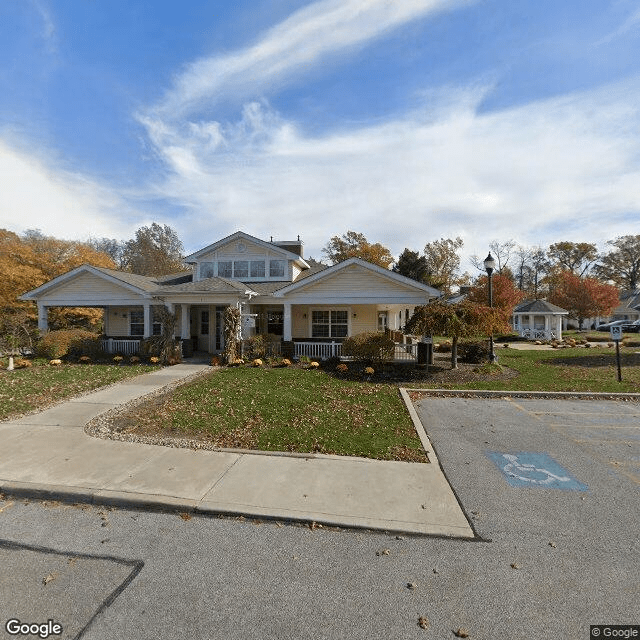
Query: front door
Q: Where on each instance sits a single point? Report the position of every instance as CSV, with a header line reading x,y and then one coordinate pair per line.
x,y
204,329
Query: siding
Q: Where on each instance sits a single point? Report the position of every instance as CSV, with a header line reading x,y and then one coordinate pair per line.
x,y
89,290
356,282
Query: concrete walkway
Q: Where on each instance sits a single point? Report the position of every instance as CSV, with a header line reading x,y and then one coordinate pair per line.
x,y
48,454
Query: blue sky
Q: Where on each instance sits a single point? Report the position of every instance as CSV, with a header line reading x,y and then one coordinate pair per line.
x,y
407,121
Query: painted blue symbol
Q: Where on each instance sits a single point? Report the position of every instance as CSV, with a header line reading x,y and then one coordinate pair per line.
x,y
527,469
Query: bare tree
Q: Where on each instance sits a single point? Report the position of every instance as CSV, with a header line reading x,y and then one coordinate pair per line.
x,y
501,252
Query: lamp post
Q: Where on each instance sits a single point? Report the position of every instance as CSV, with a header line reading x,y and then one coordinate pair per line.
x,y
490,265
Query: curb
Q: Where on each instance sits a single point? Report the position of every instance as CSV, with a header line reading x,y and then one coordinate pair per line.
x,y
490,393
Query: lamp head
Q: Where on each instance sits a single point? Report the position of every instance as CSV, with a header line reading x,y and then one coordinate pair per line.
x,y
489,264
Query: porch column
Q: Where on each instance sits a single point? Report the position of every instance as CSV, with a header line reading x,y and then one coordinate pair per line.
x,y
105,321
546,327
185,326
43,318
559,322
286,329
171,308
147,320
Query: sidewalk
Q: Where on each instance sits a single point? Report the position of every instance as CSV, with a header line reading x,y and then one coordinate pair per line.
x,y
48,454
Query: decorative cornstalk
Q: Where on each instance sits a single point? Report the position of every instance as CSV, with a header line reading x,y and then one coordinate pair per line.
x,y
232,332
164,345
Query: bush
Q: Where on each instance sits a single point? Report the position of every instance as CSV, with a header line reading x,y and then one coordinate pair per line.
x,y
68,343
21,363
473,352
369,346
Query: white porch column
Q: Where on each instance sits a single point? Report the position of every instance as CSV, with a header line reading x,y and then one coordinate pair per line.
x,y
185,326
147,320
105,321
286,330
546,327
43,318
559,322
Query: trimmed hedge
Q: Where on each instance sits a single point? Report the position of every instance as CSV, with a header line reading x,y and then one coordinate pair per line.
x,y
473,352
369,346
70,343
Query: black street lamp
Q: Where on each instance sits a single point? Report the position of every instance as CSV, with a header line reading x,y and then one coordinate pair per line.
x,y
490,265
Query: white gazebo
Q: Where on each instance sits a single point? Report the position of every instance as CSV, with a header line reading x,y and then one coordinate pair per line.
x,y
538,320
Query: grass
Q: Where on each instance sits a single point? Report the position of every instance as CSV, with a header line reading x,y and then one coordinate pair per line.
x,y
578,369
25,390
286,409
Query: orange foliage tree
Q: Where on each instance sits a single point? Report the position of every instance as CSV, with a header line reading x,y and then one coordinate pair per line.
x,y
462,320
505,294
29,261
584,297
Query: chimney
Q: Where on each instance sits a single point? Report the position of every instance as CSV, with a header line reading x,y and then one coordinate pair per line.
x,y
294,246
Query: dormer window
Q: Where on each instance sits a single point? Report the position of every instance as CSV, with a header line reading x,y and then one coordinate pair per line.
x,y
206,270
257,268
224,269
240,269
276,268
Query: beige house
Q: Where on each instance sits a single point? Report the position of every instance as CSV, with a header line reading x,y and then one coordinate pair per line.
x,y
312,306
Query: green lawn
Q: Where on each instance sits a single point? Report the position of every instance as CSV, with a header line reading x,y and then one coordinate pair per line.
x,y
25,390
286,409
575,369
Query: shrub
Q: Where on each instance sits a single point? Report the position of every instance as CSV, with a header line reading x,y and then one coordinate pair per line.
x,y
134,360
154,360
286,362
342,368
473,352
117,359
68,342
369,371
369,346
21,363
314,364
55,362
84,360
215,361
257,362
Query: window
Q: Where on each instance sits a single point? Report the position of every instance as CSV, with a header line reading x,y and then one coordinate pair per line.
x,y
136,323
257,268
276,268
206,270
329,324
204,323
240,269
224,269
156,326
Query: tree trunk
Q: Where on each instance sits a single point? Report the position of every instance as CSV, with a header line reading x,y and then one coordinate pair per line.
x,y
454,353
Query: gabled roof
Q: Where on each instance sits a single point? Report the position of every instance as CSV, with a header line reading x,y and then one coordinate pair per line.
x,y
336,268
133,282
538,306
245,236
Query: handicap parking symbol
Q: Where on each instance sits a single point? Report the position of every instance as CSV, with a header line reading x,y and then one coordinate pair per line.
x,y
529,469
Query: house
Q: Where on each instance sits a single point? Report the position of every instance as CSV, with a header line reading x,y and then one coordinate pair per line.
x,y
313,307
629,307
538,320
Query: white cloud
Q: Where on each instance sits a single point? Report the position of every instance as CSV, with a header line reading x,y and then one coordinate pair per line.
x,y
48,33
35,195
291,48
521,173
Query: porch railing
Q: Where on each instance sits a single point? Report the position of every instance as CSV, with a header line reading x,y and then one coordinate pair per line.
x,y
317,350
406,352
538,334
125,347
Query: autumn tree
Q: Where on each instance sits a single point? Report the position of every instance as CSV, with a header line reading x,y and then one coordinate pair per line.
x,y
355,245
575,257
443,263
462,320
155,251
584,297
622,264
504,292
412,265
32,259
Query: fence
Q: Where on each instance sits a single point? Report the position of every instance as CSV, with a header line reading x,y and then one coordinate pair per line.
x,y
318,350
124,347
